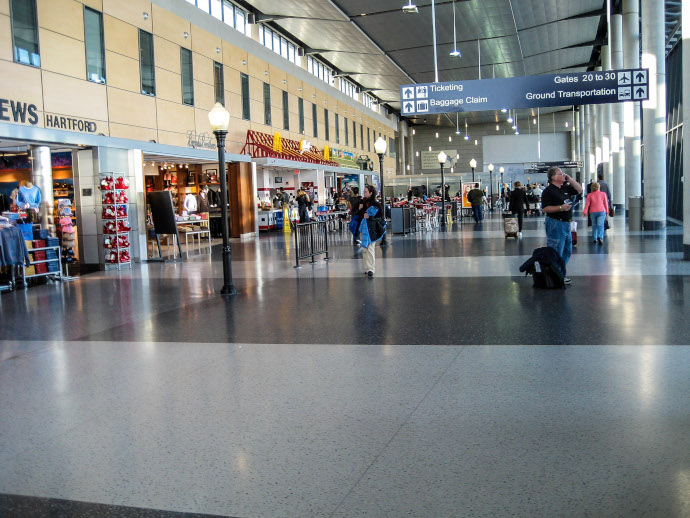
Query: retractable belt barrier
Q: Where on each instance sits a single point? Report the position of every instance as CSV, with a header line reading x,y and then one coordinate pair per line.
x,y
311,239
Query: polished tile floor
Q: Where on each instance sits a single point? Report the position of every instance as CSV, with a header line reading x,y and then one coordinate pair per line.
x,y
443,386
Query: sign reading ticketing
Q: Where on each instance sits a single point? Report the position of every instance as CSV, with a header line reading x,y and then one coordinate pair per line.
x,y
611,86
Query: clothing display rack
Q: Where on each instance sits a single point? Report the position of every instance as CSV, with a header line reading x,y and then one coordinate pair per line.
x,y
115,215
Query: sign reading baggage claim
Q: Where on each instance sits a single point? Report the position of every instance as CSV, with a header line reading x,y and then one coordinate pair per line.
x,y
612,86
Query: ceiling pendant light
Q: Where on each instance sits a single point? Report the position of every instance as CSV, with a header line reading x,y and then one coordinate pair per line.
x,y
467,135
410,8
457,125
455,53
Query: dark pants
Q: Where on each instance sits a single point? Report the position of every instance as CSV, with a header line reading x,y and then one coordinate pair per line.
x,y
477,210
303,216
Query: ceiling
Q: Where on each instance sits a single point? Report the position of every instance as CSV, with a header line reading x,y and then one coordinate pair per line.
x,y
376,45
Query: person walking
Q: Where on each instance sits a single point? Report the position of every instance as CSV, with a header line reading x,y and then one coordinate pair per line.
x,y
598,207
518,202
476,198
303,205
374,225
555,203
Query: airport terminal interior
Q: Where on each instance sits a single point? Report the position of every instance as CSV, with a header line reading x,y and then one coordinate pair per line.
x,y
199,320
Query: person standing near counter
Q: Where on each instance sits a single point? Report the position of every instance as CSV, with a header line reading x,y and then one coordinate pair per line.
x,y
302,205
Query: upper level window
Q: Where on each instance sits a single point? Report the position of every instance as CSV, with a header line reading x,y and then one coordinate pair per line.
x,y
279,44
224,10
95,48
267,104
147,66
187,76
25,32
245,95
219,82
286,111
320,70
300,107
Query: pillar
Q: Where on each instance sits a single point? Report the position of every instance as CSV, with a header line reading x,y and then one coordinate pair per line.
x,y
598,134
686,137
587,140
581,122
401,163
410,150
632,126
617,136
606,120
42,177
654,114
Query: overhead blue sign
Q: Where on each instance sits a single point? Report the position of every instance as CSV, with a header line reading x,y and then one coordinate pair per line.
x,y
526,92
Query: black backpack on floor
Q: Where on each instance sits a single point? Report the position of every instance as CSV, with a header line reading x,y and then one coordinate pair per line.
x,y
546,268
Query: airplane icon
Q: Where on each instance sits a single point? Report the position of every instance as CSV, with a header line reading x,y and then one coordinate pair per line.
x,y
624,78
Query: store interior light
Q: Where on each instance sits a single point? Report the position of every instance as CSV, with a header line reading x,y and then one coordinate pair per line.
x,y
437,134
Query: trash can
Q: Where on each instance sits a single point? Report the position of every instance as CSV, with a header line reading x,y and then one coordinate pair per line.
x,y
635,207
280,216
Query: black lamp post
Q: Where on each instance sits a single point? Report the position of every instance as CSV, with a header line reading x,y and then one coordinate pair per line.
x,y
473,165
220,120
380,148
491,186
442,157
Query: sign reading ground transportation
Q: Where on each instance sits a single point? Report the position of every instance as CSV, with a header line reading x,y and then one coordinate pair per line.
x,y
611,86
562,165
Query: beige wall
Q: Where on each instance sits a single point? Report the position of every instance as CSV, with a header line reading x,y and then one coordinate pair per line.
x,y
60,86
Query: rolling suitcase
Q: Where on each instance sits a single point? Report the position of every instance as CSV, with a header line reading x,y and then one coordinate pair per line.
x,y
510,225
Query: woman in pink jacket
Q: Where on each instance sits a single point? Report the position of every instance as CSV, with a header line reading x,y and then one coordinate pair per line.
x,y
597,206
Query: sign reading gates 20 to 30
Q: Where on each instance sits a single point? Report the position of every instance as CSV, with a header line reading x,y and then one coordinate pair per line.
x,y
612,86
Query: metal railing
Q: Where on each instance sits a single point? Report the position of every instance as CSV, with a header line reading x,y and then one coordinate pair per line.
x,y
311,239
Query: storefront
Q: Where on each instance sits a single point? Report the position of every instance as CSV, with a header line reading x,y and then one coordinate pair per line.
x,y
102,183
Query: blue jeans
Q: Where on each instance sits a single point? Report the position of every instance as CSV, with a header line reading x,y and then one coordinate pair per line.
x,y
477,210
598,219
559,238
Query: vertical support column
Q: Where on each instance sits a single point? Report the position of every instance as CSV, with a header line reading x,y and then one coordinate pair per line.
x,y
581,124
632,126
686,137
598,134
617,136
400,144
42,177
410,150
606,119
654,58
587,134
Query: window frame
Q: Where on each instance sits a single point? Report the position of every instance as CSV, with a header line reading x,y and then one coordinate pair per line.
x,y
300,108
184,51
315,116
219,81
102,42
268,116
337,128
286,111
141,64
36,34
246,104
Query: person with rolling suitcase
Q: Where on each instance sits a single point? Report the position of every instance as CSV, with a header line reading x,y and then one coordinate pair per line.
x,y
518,203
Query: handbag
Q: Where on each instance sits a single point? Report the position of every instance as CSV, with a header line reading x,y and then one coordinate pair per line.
x,y
612,212
606,223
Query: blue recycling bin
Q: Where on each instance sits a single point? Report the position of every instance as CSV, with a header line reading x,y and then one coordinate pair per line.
x,y
280,218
